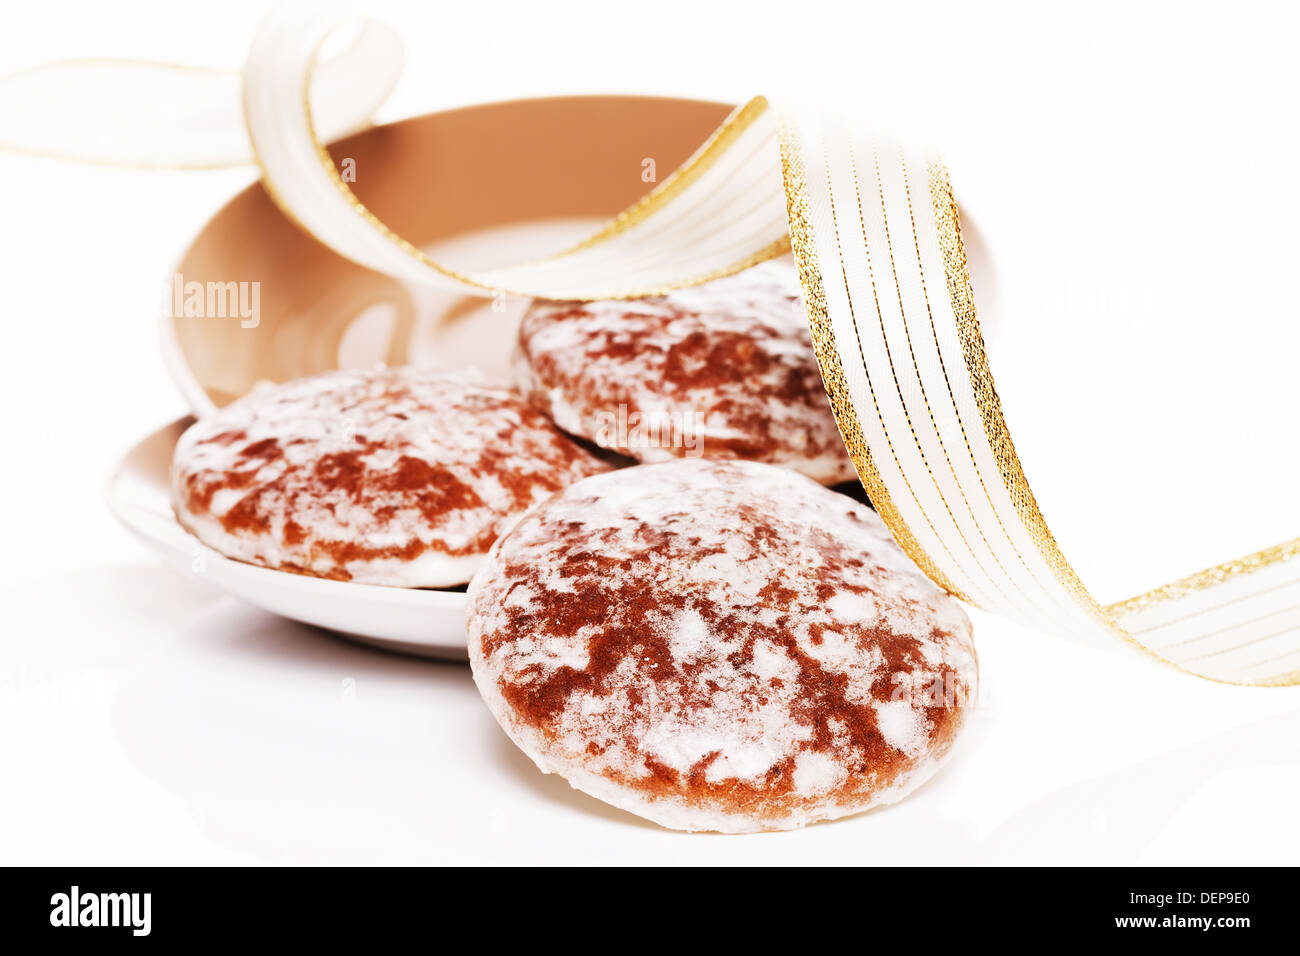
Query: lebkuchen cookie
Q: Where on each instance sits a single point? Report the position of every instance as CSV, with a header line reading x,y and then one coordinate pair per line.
x,y
391,476
719,645
722,370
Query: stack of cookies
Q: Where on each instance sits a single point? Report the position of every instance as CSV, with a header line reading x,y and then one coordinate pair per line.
x,y
666,605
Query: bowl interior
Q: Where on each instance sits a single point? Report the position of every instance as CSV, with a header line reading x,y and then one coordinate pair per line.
x,y
481,186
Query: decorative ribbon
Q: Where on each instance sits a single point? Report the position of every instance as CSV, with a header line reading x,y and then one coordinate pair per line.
x,y
875,233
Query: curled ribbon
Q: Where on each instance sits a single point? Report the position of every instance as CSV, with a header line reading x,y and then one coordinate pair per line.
x,y
876,236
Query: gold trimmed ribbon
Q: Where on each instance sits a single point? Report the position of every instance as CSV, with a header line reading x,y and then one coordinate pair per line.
x,y
876,235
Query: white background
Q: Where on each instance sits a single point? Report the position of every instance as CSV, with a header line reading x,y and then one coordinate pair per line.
x,y
1132,169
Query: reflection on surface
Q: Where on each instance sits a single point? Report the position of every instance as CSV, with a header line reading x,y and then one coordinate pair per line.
x,y
1121,814
289,745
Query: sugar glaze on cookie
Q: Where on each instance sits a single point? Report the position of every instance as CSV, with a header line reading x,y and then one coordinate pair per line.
x,y
722,370
719,646
394,476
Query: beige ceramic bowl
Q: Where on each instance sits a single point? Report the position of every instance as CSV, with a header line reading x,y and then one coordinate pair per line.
x,y
482,185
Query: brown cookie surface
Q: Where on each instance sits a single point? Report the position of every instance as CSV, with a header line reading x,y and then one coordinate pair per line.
x,y
719,645
395,476
722,370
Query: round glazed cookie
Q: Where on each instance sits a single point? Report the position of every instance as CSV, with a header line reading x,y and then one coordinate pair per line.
x,y
719,646
392,476
722,370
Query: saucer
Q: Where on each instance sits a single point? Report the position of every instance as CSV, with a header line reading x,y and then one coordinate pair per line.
x,y
423,622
